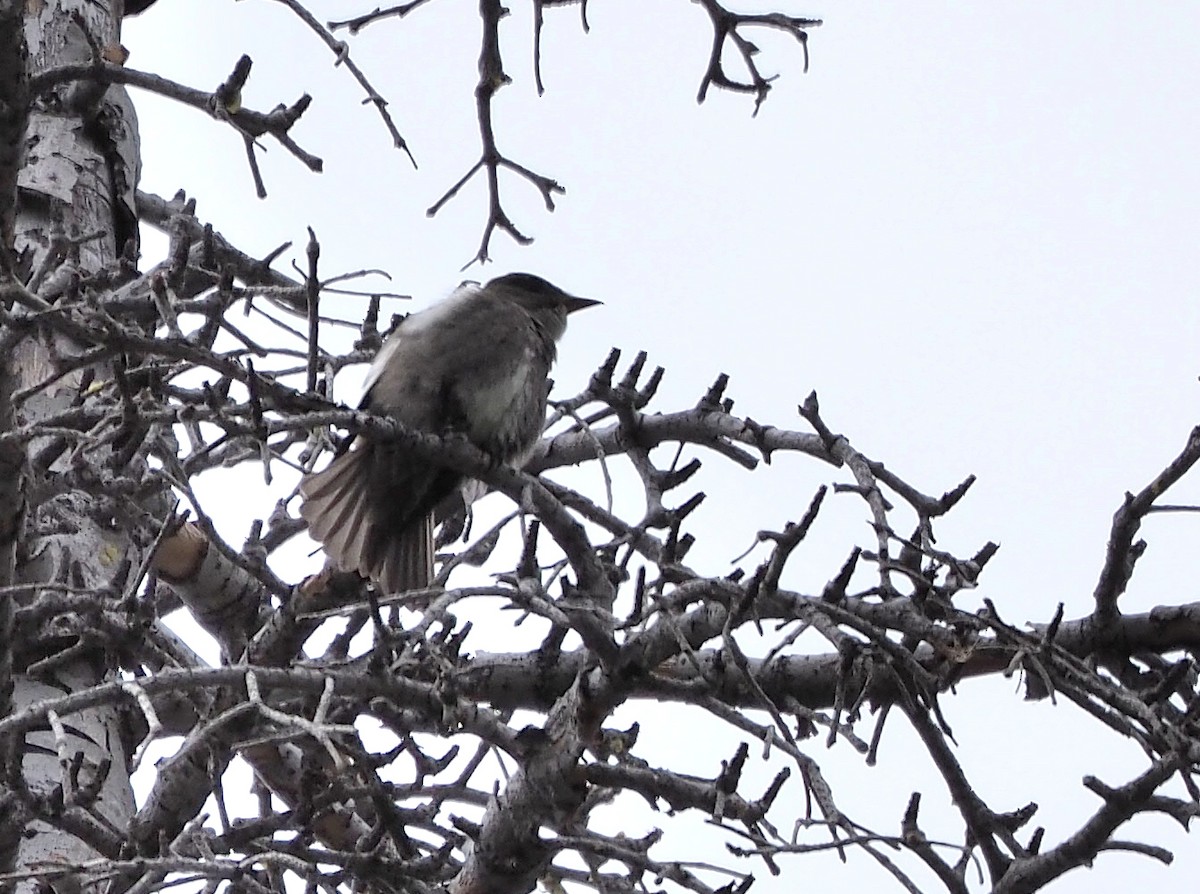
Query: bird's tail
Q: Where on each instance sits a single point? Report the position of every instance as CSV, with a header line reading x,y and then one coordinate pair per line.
x,y
361,526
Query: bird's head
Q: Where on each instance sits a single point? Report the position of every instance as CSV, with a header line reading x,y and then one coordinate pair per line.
x,y
536,294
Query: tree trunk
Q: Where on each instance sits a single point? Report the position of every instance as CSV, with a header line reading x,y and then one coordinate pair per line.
x,y
66,536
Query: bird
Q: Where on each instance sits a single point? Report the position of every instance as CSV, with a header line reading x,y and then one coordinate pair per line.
x,y
476,364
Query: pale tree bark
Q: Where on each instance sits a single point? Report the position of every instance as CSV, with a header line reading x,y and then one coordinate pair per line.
x,y
72,218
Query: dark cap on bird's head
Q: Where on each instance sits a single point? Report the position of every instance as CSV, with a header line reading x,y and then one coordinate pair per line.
x,y
533,293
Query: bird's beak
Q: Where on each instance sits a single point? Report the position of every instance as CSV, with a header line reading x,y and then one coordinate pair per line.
x,y
573,304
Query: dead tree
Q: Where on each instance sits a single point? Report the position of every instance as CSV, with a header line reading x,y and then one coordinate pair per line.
x,y
122,389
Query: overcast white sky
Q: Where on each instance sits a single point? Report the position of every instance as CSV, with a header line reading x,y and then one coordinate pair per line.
x,y
971,228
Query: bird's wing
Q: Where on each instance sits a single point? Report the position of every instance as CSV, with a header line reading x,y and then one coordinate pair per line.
x,y
420,333
468,359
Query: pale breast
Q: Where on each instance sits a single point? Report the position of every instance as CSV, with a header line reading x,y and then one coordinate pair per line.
x,y
505,411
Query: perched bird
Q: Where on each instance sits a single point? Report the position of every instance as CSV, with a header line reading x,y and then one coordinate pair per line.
x,y
474,364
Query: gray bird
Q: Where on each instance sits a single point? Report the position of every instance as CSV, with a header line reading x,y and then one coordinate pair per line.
x,y
475,364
